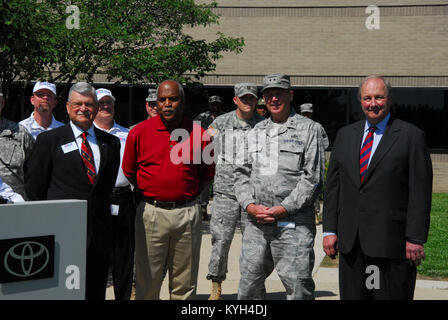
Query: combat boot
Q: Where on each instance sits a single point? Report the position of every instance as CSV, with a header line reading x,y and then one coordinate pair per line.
x,y
216,291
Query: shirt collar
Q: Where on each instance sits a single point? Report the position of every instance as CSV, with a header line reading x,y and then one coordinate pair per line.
x,y
35,125
380,127
160,126
77,131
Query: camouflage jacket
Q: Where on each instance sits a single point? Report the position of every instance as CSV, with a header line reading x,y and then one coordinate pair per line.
x,y
325,141
206,119
15,147
228,136
284,167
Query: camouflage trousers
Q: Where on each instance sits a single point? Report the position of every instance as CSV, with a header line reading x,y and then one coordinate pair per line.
x,y
288,250
226,212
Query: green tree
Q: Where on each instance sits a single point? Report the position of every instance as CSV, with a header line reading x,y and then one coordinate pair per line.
x,y
127,40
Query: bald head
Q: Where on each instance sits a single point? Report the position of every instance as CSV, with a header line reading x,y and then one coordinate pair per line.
x,y
170,103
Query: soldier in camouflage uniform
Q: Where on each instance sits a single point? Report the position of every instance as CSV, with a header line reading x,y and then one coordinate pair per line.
x,y
278,187
7,195
228,130
206,118
15,146
306,110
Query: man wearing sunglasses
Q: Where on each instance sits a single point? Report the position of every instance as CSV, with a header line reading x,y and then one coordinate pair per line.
x,y
44,101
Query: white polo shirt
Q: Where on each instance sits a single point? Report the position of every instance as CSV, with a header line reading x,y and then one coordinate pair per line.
x,y
34,128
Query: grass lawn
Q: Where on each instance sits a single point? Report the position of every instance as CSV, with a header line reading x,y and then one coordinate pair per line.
x,y
435,266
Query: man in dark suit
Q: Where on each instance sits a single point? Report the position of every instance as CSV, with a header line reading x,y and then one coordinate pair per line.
x,y
79,161
378,200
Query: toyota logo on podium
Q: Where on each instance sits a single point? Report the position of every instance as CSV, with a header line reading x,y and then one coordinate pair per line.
x,y
26,258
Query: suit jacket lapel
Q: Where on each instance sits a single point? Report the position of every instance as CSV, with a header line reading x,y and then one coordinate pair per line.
x,y
69,137
103,154
356,147
390,136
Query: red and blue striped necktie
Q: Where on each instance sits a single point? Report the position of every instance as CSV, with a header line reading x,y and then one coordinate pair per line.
x,y
87,158
364,155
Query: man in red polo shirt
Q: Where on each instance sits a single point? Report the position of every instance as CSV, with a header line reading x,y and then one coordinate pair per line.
x,y
168,161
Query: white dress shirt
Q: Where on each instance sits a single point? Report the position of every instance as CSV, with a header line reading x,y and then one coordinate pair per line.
x,y
91,139
122,134
34,128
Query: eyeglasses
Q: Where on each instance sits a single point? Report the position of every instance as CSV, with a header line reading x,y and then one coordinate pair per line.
x,y
80,104
44,94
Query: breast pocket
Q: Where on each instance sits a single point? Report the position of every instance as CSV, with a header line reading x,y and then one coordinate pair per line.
x,y
290,157
12,155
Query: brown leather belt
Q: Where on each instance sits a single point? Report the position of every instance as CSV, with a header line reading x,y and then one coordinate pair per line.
x,y
169,204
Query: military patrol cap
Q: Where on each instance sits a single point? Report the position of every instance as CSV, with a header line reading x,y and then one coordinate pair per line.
x,y
306,107
44,85
276,81
215,99
261,102
244,88
152,95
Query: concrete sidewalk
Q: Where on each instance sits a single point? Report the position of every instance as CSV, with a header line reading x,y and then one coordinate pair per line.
x,y
326,279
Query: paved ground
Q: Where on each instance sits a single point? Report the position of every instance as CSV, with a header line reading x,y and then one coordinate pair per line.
x,y
326,279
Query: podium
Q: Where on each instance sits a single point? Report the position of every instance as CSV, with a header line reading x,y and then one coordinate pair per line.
x,y
43,250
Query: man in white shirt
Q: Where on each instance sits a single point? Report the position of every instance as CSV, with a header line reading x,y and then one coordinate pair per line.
x,y
44,101
123,206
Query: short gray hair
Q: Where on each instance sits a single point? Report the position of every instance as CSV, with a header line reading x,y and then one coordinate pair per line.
x,y
85,89
376,76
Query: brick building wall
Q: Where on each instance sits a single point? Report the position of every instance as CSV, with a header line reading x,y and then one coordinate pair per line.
x,y
327,43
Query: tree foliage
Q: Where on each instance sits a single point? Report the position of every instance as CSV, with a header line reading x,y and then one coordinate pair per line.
x,y
128,40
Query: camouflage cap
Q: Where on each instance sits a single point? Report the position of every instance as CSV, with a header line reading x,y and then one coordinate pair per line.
x,y
306,107
276,81
215,99
152,95
244,88
261,102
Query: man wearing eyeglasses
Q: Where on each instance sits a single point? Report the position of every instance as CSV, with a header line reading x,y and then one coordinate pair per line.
x,y
44,100
79,161
277,187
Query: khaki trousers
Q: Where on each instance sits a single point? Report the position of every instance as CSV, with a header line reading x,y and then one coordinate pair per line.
x,y
167,239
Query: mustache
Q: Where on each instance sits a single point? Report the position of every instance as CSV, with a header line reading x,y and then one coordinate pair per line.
x,y
86,113
375,109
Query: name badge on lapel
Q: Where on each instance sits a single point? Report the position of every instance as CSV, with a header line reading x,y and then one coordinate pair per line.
x,y
69,147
